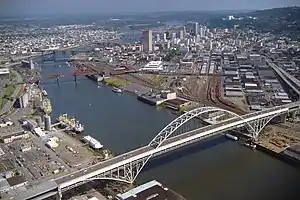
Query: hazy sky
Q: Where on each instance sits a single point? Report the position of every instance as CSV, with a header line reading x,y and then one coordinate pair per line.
x,y
114,6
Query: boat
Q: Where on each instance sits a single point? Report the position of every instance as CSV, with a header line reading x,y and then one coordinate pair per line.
x,y
44,92
47,106
117,90
70,123
92,142
232,137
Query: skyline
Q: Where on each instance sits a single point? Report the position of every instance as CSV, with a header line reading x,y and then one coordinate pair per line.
x,y
53,7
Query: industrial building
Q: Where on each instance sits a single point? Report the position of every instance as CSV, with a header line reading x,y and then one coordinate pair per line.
x,y
12,183
27,64
156,99
22,102
151,190
153,66
293,152
15,136
4,71
6,122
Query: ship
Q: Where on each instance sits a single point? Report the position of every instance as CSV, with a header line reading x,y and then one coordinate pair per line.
x,y
79,128
44,92
117,90
47,107
70,123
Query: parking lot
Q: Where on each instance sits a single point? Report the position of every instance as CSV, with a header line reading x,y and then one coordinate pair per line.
x,y
71,151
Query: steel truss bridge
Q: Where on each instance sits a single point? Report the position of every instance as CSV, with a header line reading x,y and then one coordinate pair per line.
x,y
182,131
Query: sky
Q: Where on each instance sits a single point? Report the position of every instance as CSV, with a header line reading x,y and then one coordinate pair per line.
x,y
37,7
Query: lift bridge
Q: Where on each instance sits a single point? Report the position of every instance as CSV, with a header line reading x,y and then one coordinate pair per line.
x,y
180,132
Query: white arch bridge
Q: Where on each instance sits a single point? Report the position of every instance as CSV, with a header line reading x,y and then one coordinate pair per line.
x,y
180,132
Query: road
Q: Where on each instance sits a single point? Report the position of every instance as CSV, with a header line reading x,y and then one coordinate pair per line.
x,y
285,76
9,104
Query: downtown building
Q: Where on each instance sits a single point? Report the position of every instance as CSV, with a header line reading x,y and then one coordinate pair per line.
x,y
147,41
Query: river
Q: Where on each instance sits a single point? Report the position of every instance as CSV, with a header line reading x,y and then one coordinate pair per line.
x,y
212,170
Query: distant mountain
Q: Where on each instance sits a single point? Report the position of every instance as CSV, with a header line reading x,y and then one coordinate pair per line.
x,y
288,13
280,21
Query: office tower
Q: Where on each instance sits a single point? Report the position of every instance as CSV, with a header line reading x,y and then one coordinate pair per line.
x,y
165,37
173,36
147,41
202,33
198,38
157,37
196,29
168,35
184,31
181,34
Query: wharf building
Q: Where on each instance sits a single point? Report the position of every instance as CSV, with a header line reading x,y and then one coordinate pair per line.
x,y
27,64
151,190
147,41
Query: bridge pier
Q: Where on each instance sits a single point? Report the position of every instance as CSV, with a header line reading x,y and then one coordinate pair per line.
x,y
283,118
59,194
75,78
57,80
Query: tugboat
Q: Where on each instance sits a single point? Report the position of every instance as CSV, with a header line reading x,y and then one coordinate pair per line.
x,y
117,90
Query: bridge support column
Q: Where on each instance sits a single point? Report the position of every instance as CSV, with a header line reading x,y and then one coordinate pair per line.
x,y
293,115
59,194
57,80
283,118
75,78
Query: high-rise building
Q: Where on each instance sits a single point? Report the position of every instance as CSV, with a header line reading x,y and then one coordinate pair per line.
x,y
184,31
196,29
168,35
165,37
157,37
181,34
202,32
173,36
147,41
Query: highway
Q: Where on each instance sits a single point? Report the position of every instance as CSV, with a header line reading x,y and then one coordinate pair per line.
x,y
287,78
6,108
76,178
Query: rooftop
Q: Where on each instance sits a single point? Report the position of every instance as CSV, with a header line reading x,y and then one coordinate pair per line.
x,y
151,190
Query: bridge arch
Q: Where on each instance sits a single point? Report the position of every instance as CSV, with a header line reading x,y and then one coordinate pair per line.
x,y
128,172
166,132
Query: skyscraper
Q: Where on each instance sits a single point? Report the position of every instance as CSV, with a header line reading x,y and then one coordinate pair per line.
x,y
147,40
202,32
196,31
181,34
157,37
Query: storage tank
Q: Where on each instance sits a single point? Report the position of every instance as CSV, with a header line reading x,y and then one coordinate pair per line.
x,y
47,120
39,121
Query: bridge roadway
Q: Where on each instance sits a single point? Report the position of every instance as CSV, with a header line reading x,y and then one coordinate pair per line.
x,y
77,177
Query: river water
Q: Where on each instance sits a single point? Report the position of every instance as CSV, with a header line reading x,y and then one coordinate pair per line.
x,y
212,170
